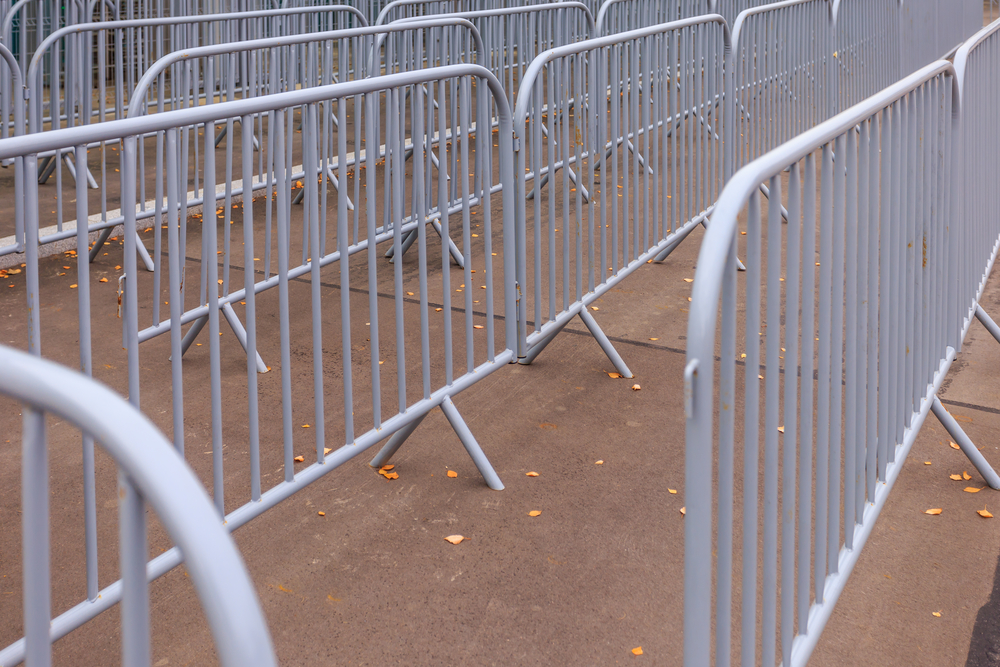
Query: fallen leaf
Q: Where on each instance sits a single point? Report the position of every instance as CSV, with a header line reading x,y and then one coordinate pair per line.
x,y
321,513
389,475
410,293
781,429
534,512
689,280
599,463
613,376
65,267
531,474
933,511
326,450
594,308
957,478
454,539
984,513
452,473
299,459
654,339
73,286
305,426
973,489
936,613
672,490
438,310
477,326
684,510
103,280
966,476
927,463
953,445
388,467
637,650
636,387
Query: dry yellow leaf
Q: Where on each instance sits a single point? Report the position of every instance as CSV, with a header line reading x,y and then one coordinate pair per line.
x,y
689,280
953,445
321,513
410,293
477,326
684,510
613,376
594,308
957,478
599,462
299,459
636,387
73,286
781,429
388,467
927,463
103,280
672,490
438,310
305,426
452,473
531,474
390,475
637,650
984,513
933,511
454,539
326,450
966,476
534,512
654,339
973,489
936,613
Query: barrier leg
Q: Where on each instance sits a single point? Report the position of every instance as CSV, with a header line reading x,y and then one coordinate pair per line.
x,y
139,248
988,322
764,190
396,441
537,348
967,446
192,333
605,344
471,446
241,334
673,244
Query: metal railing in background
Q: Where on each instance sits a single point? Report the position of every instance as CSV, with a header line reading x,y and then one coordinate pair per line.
x,y
625,130
423,374
868,51
624,15
875,195
150,471
400,9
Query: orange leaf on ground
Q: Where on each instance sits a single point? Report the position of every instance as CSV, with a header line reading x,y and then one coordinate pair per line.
x,y
387,467
299,459
953,445
477,326
452,473
654,339
454,539
531,474
936,613
534,512
984,513
637,650
599,463
636,387
966,476
103,280
684,510
781,429
326,450
389,475
973,489
927,463
672,490
957,478
305,426
614,376
321,513
933,511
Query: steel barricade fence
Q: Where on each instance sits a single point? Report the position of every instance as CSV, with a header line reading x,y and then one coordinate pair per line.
x,y
150,471
15,87
867,47
782,84
730,9
633,123
871,195
401,9
419,373
77,91
624,15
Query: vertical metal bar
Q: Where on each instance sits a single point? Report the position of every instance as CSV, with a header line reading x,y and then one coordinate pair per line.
x,y
35,540
249,280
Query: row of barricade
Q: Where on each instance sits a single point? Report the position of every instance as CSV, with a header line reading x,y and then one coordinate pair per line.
x,y
820,389
613,150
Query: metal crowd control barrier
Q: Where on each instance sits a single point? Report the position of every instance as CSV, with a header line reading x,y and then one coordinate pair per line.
x,y
624,15
419,371
868,51
631,121
404,9
150,471
875,194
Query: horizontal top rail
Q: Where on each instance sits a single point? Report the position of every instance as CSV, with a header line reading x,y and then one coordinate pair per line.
x,y
138,125
763,9
521,107
268,43
167,483
433,22
504,11
835,10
